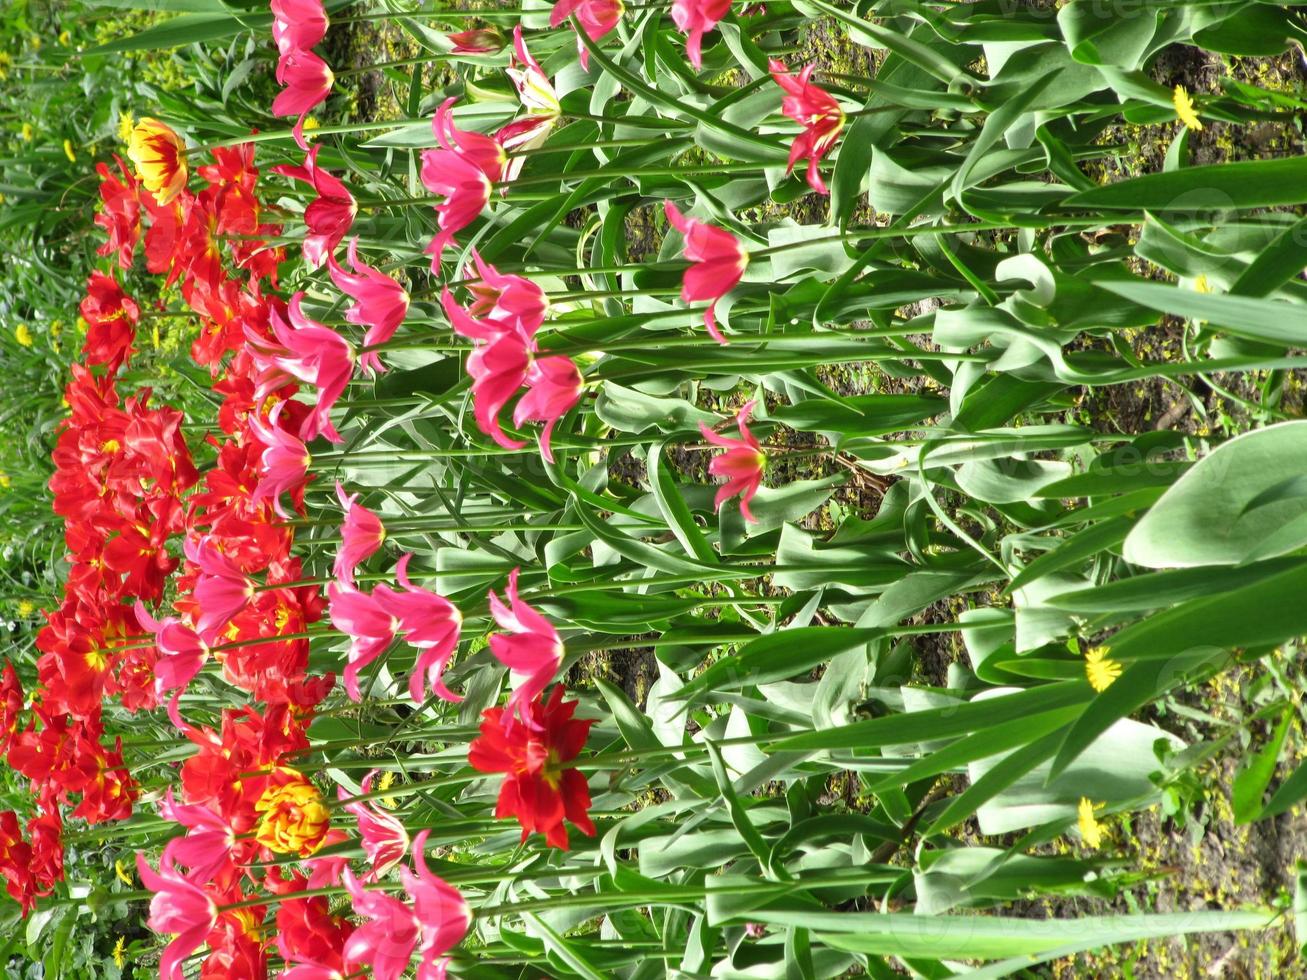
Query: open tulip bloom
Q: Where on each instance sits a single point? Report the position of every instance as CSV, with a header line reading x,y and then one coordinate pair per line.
x,y
392,592
717,263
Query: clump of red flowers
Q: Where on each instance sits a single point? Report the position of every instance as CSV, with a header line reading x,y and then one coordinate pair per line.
x,y
540,788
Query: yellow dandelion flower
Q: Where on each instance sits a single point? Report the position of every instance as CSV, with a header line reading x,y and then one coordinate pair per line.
x,y
6,62
118,949
23,334
126,123
69,152
27,132
26,607
81,325
1091,831
5,481
35,42
65,38
1184,109
2,199
1201,285
56,327
122,874
1099,669
387,780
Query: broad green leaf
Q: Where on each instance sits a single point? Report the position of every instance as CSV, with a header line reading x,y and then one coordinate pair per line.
x,y
1206,517
1271,182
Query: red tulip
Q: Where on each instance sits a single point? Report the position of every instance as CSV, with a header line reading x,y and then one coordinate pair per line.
x,y
539,788
427,621
380,303
111,318
307,933
441,912
696,18
120,217
553,387
360,536
531,649
307,80
16,862
597,19
329,216
817,112
179,907
385,840
718,263
11,705
741,465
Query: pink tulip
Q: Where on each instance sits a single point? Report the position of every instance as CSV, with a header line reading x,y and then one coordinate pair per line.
x,y
463,170
298,24
718,263
325,869
817,112
597,18
440,910
385,840
307,80
178,907
531,650
310,971
741,465
206,848
497,369
481,40
369,627
221,591
429,622
510,301
538,98
387,940
317,355
181,651
361,535
328,217
380,303
696,18
284,462
553,387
